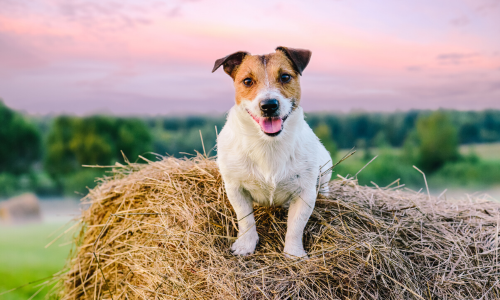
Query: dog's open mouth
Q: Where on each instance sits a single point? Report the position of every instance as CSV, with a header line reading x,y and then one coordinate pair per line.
x,y
271,126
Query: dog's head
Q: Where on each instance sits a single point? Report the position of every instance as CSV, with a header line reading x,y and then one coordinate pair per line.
x,y
267,86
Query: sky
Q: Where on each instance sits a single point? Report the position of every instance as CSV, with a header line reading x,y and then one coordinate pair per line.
x,y
129,57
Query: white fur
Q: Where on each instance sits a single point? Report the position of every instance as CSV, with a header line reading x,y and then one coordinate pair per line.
x,y
271,171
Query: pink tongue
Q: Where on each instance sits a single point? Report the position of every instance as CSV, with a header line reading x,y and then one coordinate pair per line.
x,y
270,125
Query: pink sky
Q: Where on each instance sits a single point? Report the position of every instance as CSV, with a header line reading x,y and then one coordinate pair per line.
x,y
155,57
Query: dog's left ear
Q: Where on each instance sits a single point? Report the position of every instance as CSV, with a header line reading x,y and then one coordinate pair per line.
x,y
299,57
230,62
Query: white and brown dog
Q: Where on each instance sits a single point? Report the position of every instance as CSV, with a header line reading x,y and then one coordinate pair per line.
x,y
267,153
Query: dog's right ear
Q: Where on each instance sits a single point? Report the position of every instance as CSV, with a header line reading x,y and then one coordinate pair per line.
x,y
230,62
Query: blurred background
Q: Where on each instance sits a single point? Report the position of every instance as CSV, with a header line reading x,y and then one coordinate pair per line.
x,y
87,82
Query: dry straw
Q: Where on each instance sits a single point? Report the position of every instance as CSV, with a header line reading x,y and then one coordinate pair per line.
x,y
163,230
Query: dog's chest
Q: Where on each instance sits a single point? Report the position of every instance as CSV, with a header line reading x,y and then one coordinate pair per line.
x,y
267,193
272,182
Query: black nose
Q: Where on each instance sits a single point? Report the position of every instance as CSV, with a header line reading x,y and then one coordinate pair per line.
x,y
269,106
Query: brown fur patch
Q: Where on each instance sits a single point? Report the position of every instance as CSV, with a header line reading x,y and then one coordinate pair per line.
x,y
256,67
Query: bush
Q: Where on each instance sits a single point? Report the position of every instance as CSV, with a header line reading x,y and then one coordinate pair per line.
x,y
384,170
8,184
438,141
44,185
81,181
324,133
467,173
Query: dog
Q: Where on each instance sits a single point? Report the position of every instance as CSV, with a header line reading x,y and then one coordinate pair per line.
x,y
266,152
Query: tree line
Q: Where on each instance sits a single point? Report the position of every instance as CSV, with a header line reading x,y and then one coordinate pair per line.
x,y
46,154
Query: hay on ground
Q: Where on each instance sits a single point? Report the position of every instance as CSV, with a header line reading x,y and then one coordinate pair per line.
x,y
164,230
20,209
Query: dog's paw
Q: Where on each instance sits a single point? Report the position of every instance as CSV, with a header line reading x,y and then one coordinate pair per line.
x,y
245,244
295,252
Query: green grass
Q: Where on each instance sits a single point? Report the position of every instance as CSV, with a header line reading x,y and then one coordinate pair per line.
x,y
23,258
489,151
385,169
470,172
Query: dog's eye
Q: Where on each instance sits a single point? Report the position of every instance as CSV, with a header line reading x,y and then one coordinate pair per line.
x,y
285,78
247,81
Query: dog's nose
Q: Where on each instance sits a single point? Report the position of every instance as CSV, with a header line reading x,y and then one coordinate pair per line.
x,y
269,106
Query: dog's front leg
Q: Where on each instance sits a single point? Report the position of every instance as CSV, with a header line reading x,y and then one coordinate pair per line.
x,y
299,212
247,233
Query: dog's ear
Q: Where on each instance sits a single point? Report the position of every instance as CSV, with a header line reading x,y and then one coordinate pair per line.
x,y
299,57
230,62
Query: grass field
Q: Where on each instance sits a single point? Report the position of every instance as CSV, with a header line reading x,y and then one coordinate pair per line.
x,y
489,151
23,258
485,151
468,173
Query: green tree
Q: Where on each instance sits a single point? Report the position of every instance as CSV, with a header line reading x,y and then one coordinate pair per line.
x,y
96,140
133,138
323,132
438,141
60,158
20,142
410,148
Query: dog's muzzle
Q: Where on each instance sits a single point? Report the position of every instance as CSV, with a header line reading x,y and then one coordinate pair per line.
x,y
270,122
269,107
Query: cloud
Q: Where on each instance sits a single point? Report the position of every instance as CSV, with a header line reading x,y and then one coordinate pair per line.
x,y
174,12
488,6
495,86
460,21
456,58
456,87
17,55
104,15
112,15
11,4
414,68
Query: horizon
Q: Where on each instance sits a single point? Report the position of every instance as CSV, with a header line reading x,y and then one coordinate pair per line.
x,y
141,57
184,114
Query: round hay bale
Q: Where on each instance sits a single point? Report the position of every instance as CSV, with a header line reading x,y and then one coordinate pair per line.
x,y
19,209
164,230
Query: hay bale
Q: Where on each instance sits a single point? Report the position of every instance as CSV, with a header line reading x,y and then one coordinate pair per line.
x,y
164,230
22,208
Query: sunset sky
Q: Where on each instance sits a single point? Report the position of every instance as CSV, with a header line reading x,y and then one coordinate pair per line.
x,y
155,57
